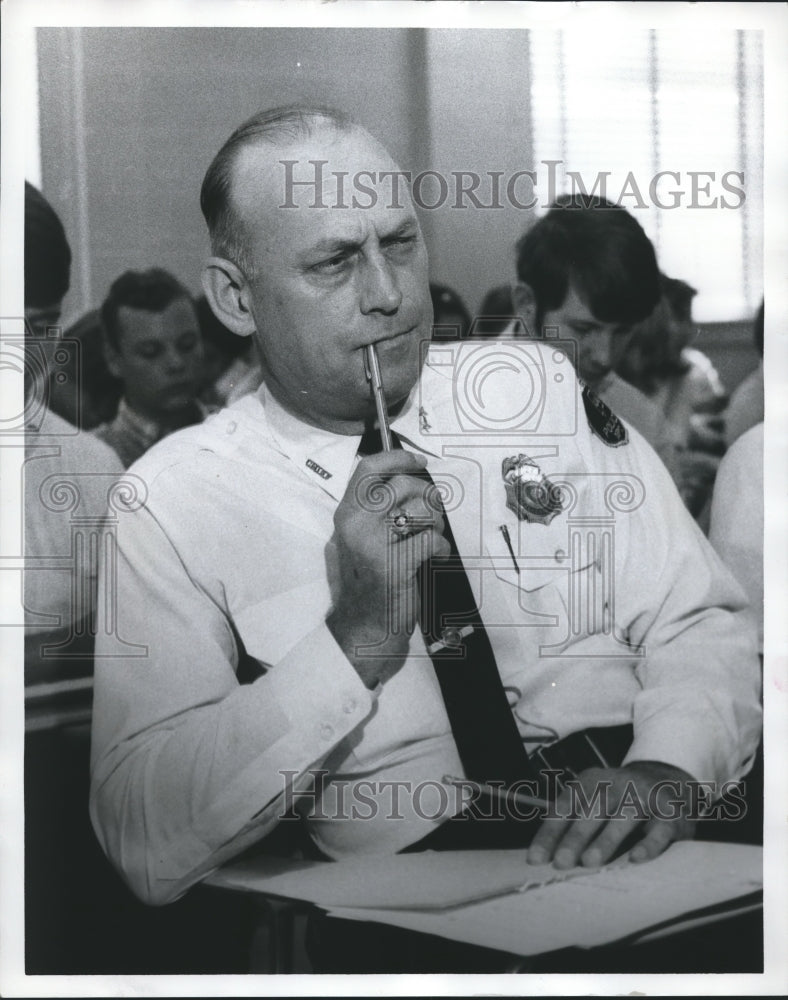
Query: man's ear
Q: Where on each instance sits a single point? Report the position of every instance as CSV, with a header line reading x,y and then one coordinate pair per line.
x,y
525,305
228,294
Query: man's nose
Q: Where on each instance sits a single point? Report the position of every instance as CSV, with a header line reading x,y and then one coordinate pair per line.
x,y
380,290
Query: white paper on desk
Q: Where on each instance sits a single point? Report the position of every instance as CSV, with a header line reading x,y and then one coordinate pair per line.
x,y
426,880
596,908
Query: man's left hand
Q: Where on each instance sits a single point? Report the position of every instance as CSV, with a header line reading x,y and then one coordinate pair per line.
x,y
647,794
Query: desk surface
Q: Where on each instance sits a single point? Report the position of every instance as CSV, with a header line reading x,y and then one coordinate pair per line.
x,y
701,881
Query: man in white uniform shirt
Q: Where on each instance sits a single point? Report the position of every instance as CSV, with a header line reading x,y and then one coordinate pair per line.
x,y
68,474
265,552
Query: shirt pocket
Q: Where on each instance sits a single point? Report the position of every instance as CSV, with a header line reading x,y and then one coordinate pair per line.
x,y
557,579
531,556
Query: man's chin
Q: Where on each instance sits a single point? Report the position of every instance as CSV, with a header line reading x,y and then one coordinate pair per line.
x,y
597,383
176,406
400,377
396,405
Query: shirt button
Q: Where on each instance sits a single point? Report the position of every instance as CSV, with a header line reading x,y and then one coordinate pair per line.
x,y
326,731
350,706
560,555
231,427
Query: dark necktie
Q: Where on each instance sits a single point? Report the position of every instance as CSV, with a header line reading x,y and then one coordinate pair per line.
x,y
482,722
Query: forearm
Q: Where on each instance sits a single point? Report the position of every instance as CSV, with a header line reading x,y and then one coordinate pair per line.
x,y
183,794
699,707
699,675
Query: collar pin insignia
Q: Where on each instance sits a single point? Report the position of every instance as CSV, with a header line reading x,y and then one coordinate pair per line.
x,y
311,464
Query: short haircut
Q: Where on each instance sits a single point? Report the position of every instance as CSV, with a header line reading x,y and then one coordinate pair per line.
x,y
151,290
496,312
274,126
651,355
47,253
598,247
447,303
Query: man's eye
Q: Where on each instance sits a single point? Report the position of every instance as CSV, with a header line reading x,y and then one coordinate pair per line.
x,y
149,353
187,343
332,265
400,242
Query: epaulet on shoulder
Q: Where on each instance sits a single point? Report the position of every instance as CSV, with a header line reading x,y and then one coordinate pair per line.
x,y
602,421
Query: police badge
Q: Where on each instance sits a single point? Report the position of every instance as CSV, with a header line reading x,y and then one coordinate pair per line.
x,y
529,493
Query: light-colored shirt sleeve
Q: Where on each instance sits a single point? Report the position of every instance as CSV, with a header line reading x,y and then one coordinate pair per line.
x,y
699,704
737,523
189,766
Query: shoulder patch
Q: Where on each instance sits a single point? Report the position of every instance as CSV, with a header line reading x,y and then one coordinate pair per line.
x,y
602,421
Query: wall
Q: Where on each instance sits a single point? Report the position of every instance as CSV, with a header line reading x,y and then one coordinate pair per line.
x,y
130,119
729,347
480,121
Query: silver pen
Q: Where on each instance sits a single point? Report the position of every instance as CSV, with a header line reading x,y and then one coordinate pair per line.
x,y
373,376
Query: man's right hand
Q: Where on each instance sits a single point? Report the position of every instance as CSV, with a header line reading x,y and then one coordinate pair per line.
x,y
375,609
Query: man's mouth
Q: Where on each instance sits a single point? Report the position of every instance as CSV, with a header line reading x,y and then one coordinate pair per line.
x,y
180,389
395,336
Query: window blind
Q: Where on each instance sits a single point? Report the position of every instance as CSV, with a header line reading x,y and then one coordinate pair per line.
x,y
669,125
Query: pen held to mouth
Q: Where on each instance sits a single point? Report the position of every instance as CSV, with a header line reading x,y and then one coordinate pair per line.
x,y
372,371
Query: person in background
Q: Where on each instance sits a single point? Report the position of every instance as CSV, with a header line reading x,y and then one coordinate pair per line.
x,y
736,531
746,407
58,456
231,368
84,392
497,314
586,274
79,919
451,320
736,522
67,477
152,343
684,384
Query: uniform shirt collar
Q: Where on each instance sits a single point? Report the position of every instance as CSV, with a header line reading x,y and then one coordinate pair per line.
x,y
143,427
328,458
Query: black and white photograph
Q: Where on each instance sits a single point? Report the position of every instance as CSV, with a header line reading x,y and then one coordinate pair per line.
x,y
393,473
